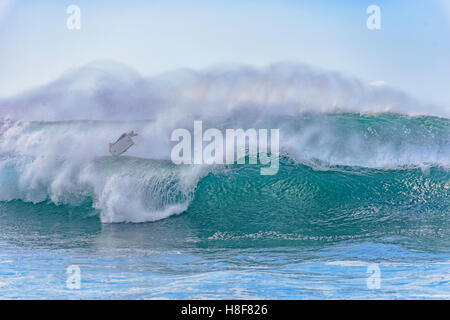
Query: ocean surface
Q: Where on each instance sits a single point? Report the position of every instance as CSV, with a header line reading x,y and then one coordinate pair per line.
x,y
359,209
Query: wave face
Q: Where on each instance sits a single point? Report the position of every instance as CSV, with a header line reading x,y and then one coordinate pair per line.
x,y
349,172
303,204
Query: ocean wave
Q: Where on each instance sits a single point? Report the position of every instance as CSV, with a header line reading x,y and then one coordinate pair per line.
x,y
237,206
333,156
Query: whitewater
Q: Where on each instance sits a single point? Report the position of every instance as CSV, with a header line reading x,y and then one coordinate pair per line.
x,y
364,178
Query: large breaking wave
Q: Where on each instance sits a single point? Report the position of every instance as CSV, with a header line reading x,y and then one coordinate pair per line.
x,y
68,162
345,153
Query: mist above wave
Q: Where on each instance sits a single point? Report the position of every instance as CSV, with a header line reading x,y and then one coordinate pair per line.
x,y
107,90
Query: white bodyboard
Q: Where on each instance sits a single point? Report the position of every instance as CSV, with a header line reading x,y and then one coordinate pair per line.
x,y
121,145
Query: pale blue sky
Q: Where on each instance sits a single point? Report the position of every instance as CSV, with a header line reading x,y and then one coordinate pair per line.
x,y
411,52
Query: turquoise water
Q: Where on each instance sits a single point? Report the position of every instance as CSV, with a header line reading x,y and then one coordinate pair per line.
x,y
145,228
176,259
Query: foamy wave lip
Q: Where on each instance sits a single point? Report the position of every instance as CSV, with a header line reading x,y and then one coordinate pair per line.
x,y
66,163
139,190
130,212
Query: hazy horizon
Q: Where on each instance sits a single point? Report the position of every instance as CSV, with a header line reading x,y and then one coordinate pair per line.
x,y
409,53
